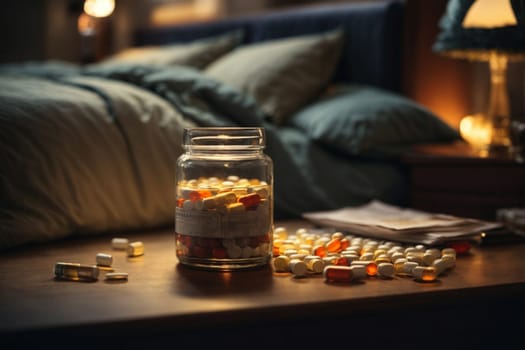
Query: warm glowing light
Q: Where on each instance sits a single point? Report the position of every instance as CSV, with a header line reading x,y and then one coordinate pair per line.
x,y
99,8
489,14
87,25
476,130
188,11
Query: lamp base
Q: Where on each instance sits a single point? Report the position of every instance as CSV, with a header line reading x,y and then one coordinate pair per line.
x,y
498,107
499,151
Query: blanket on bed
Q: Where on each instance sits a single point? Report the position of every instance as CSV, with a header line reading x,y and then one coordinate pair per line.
x,y
92,149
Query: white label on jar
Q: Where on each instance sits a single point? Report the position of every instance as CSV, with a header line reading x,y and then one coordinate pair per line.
x,y
197,223
218,225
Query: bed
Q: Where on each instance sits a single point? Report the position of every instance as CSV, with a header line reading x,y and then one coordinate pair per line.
x,y
91,149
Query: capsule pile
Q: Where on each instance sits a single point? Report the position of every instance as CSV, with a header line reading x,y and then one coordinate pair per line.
x,y
344,258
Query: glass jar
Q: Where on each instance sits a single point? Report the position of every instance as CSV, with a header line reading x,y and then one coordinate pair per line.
x,y
224,199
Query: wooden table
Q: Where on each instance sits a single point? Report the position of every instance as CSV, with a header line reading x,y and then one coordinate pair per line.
x,y
166,304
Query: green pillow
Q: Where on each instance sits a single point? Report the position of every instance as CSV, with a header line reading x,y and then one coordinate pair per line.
x,y
197,54
367,121
282,75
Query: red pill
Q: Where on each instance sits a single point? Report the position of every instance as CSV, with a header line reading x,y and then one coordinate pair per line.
x,y
461,247
335,273
341,261
200,252
219,253
250,201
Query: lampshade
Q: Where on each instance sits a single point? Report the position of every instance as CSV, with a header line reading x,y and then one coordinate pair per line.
x,y
492,31
99,8
473,29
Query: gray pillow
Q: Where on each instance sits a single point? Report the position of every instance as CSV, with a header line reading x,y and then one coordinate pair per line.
x,y
197,54
282,75
368,121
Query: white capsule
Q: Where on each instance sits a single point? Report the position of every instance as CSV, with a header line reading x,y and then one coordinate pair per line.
x,y
298,267
350,256
246,252
234,251
188,204
446,251
416,257
396,255
119,243
430,255
408,267
281,263
367,256
135,249
449,259
289,252
104,259
297,256
116,276
424,273
228,242
359,272
385,270
315,265
440,265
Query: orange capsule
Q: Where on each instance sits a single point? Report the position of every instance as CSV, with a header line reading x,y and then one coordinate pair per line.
x,y
334,245
320,251
371,269
204,193
340,274
345,243
194,196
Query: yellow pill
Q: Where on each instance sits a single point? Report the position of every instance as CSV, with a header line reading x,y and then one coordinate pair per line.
x,y
135,249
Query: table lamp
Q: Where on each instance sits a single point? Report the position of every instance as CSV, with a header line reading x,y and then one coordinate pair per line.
x,y
491,31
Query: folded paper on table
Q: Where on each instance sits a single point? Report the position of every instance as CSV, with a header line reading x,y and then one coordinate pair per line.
x,y
383,221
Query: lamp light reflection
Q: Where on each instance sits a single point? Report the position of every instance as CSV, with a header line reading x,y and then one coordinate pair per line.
x,y
476,130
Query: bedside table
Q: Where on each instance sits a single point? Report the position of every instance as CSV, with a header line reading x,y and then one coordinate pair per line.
x,y
454,179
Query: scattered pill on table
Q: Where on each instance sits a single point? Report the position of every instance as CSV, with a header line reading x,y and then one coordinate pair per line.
x,y
338,274
119,243
135,249
104,259
343,257
76,271
116,276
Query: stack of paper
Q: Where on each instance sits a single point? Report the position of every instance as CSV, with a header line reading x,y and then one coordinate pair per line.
x,y
383,221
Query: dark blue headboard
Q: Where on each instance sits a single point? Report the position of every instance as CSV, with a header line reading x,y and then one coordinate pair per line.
x,y
372,50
